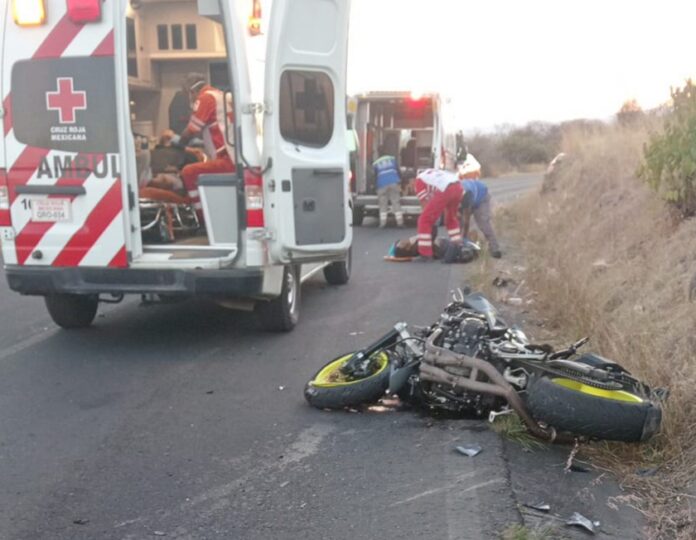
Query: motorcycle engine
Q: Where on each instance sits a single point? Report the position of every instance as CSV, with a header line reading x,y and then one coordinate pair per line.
x,y
462,338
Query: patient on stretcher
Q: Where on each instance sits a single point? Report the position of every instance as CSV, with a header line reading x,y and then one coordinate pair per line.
x,y
167,161
166,211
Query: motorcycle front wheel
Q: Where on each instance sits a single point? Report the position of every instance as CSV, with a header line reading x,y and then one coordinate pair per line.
x,y
582,409
331,389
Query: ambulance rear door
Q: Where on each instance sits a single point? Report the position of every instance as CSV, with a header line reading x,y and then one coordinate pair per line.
x,y
306,183
4,195
66,195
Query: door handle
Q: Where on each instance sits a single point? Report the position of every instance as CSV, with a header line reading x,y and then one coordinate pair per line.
x,y
327,172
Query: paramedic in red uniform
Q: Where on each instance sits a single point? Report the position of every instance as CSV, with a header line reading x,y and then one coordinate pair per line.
x,y
438,191
208,123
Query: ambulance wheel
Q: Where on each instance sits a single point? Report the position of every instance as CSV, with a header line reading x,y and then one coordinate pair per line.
x,y
282,314
358,215
338,273
71,311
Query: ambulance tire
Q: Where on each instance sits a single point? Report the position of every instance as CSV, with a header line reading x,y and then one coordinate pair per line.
x,y
282,313
71,311
338,273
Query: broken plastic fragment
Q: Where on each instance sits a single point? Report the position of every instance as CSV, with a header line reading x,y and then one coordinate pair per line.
x,y
500,282
578,520
541,506
471,451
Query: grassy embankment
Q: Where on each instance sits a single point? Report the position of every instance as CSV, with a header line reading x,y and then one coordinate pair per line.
x,y
604,257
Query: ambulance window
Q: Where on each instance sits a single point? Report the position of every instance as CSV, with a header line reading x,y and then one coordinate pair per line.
x,y
162,37
132,48
306,107
191,37
177,37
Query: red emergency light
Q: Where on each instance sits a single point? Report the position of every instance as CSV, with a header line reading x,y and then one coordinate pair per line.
x,y
416,103
84,11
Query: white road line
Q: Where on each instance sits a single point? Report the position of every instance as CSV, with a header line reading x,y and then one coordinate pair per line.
x,y
26,343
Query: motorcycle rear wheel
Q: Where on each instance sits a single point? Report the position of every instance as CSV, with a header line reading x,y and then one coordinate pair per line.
x,y
576,407
330,389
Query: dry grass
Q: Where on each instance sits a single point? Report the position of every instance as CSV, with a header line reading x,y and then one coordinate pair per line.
x,y
606,259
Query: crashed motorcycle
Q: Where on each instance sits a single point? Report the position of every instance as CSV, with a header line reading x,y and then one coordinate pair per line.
x,y
470,362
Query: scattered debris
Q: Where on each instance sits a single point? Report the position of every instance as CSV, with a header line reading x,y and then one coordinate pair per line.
x,y
210,392
540,506
577,519
494,414
284,484
356,333
571,456
159,533
500,282
471,451
651,471
513,300
600,264
281,388
80,521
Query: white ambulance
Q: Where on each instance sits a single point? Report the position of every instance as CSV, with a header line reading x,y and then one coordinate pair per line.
x,y
409,126
87,86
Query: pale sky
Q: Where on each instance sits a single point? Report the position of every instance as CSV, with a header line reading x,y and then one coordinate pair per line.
x,y
512,61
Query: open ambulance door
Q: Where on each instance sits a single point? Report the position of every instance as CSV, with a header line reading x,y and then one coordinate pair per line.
x,y
68,202
305,152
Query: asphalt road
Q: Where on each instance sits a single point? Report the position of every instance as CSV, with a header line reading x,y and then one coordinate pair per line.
x,y
185,421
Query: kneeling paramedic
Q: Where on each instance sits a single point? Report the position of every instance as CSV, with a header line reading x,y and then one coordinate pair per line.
x,y
477,201
438,191
388,187
209,123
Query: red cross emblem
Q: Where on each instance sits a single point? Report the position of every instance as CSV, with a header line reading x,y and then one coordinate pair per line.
x,y
66,101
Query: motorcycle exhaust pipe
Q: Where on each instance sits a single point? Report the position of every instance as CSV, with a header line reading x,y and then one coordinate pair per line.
x,y
436,358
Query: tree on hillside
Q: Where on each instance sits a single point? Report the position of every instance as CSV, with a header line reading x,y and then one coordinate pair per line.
x,y
670,157
629,113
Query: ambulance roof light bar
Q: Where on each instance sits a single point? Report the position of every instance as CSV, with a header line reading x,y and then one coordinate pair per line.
x,y
29,12
84,11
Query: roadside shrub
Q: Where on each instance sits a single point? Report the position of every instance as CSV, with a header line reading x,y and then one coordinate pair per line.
x,y
515,148
669,166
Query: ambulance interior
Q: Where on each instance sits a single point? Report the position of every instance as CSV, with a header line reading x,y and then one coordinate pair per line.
x,y
166,41
405,128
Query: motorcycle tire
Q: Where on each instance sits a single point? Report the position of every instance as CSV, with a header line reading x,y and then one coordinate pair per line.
x,y
329,389
572,406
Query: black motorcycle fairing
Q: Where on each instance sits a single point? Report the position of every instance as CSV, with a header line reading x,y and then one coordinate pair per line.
x,y
480,303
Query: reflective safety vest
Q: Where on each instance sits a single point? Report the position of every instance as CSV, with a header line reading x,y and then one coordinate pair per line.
x,y
387,171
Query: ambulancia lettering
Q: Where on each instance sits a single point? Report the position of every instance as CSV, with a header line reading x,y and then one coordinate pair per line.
x,y
79,167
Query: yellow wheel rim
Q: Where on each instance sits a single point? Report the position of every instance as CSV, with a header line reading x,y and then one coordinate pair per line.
x,y
331,377
615,395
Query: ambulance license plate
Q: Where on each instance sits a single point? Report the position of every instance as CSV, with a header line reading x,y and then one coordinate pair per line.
x,y
50,210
